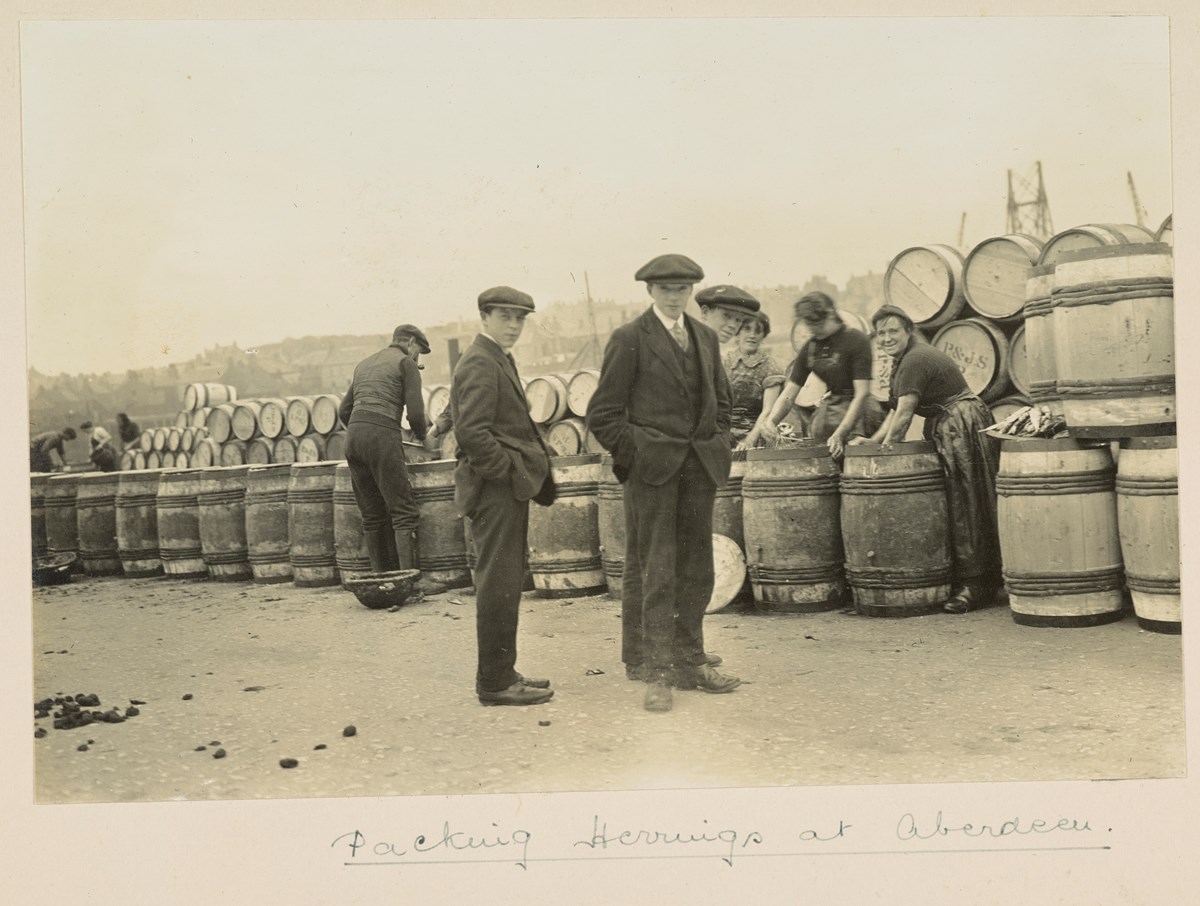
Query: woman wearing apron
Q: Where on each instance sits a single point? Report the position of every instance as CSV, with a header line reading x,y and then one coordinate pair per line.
x,y
841,357
754,376
926,382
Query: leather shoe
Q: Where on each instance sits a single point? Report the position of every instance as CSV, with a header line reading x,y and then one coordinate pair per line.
x,y
637,672
706,679
658,697
971,597
516,694
535,683
713,660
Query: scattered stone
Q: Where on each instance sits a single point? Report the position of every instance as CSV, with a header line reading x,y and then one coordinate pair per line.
x,y
91,742
215,742
543,723
132,711
288,762
220,753
64,651
88,701
38,715
136,701
254,688
319,746
394,608
82,747
39,732
187,697
199,748
350,730
70,698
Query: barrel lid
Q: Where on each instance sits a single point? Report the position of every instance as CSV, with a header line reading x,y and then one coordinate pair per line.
x,y
806,449
898,449
1114,251
1166,442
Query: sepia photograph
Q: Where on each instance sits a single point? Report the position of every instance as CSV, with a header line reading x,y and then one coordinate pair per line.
x,y
659,411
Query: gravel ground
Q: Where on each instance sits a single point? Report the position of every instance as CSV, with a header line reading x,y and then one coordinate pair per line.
x,y
274,671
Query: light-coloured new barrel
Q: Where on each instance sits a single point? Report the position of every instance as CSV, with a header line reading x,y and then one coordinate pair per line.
x,y
895,529
927,283
284,449
727,508
145,440
566,437
62,528
1092,236
310,524
220,422
222,508
96,517
272,417
325,417
547,398
182,460
1057,512
299,415
564,538
1148,525
980,350
267,514
1114,348
137,523
127,460
197,396
310,448
1041,372
166,459
153,460
139,460
37,513
159,442
244,422
995,273
183,418
199,417
1018,361
349,546
441,546
580,388
178,519
610,519
233,453
1165,232
792,523
258,451
174,438
207,453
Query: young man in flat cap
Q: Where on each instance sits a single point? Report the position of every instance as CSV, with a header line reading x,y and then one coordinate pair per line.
x,y
502,465
384,385
725,309
662,409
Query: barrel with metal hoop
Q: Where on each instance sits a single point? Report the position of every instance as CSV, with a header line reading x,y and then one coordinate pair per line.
x,y
37,512
349,544
727,507
178,505
267,539
1041,372
442,549
1148,525
564,538
222,507
610,519
926,282
895,529
137,523
310,524
96,517
62,527
995,272
1092,236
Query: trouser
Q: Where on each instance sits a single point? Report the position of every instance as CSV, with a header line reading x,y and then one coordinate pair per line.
x,y
499,528
833,408
668,575
379,475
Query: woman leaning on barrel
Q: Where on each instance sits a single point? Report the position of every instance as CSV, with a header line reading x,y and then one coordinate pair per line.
x,y
927,382
841,357
754,377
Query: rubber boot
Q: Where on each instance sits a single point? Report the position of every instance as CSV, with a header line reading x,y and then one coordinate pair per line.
x,y
380,550
406,545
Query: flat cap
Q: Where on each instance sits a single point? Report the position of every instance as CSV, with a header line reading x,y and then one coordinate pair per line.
x,y
411,330
505,296
670,269
730,297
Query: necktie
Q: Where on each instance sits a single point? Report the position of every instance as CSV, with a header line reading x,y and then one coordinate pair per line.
x,y
512,362
680,336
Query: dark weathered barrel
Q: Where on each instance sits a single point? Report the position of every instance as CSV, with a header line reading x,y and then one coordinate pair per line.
x,y
1057,512
895,529
233,453
284,449
995,272
137,523
178,519
980,350
37,513
310,524
335,446
222,505
349,546
62,529
441,546
206,454
564,538
927,283
96,517
311,448
1148,525
267,523
792,525
1114,340
727,508
258,451
610,518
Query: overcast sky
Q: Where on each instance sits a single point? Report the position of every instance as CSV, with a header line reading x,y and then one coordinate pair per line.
x,y
194,183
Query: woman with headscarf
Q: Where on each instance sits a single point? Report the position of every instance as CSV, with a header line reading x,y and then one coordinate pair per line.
x,y
926,382
754,377
841,357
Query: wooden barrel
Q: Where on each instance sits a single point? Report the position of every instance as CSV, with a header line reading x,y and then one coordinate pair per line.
x,y
126,462
310,524
272,418
895,529
159,441
62,528
1166,232
926,282
449,445
166,459
1057,512
267,515
792,524
178,519
233,453
565,438
1092,236
153,460
206,454
220,422
182,460
325,417
349,546
199,418
146,440
727,508
197,396
415,452
37,513
1147,488
258,451
137,523
1018,361
980,350
335,446
222,508
441,548
547,398
995,273
610,520
174,439
187,439
564,538
1114,340
299,415
284,449
96,518
310,448
1041,372
139,460
244,421
580,388
1006,406
439,399
183,418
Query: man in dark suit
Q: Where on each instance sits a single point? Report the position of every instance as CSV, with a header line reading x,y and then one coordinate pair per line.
x,y
725,309
662,408
502,465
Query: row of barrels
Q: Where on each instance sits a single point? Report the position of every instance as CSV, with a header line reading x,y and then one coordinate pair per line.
x,y
204,452
269,417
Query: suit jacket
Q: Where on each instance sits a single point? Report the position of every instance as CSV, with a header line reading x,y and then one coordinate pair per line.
x,y
641,413
497,439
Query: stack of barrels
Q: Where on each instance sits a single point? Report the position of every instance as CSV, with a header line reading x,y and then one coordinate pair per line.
x,y
558,404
